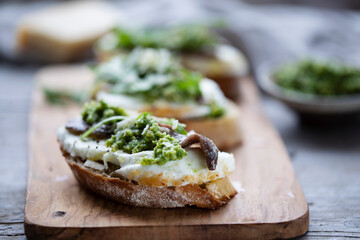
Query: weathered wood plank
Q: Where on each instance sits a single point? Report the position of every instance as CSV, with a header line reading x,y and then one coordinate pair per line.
x,y
332,237
11,202
17,237
15,90
14,229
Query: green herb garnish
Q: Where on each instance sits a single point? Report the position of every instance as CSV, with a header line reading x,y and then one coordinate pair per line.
x,y
61,97
179,38
179,127
99,124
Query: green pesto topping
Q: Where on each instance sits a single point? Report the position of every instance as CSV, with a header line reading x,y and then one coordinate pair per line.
x,y
149,74
144,134
95,112
319,78
166,149
179,38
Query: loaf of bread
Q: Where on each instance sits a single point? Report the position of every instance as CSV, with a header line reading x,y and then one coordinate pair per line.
x,y
64,32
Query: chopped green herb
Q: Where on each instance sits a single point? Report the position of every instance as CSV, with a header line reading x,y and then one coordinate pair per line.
x,y
180,38
319,78
181,86
61,97
99,124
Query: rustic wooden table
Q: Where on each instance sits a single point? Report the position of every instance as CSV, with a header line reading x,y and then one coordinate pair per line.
x,y
326,160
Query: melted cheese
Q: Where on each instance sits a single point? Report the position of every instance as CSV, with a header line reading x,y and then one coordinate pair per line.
x,y
191,169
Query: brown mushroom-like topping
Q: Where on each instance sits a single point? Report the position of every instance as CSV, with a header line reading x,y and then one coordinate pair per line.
x,y
207,146
78,127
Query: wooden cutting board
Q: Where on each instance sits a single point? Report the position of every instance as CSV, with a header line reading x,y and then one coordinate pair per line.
x,y
269,204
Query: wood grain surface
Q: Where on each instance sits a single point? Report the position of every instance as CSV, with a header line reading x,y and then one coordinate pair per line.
x,y
270,203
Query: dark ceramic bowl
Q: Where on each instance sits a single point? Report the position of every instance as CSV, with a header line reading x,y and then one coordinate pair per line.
x,y
307,104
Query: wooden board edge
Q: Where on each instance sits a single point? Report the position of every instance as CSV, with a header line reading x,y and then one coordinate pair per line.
x,y
281,230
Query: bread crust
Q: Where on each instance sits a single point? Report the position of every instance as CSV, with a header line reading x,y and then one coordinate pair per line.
x,y
211,195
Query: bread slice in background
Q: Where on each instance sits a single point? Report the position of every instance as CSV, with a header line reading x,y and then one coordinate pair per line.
x,y
64,32
224,131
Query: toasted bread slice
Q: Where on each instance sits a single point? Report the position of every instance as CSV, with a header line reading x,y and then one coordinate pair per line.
x,y
226,65
210,195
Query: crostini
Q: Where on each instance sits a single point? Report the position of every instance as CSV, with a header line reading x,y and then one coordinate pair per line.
x,y
145,161
197,47
152,80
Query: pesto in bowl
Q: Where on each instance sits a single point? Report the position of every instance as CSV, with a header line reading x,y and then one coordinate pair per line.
x,y
318,78
312,87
